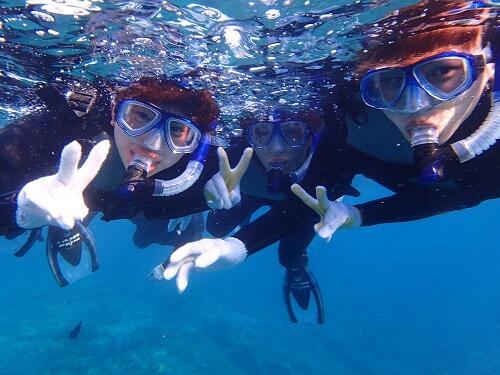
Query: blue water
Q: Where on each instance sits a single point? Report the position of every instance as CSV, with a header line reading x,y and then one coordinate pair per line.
x,y
410,298
413,298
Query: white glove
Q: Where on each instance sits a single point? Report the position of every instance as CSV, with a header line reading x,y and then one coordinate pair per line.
x,y
57,199
209,253
183,223
223,189
333,215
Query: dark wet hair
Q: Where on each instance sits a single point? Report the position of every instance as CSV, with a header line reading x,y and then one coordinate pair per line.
x,y
199,105
313,118
430,25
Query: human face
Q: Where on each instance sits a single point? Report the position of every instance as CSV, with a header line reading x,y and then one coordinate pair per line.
x,y
161,149
279,154
443,117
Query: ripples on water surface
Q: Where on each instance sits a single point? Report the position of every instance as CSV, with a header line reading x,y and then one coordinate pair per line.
x,y
239,46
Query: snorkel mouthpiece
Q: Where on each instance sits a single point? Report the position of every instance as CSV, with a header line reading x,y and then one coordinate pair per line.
x,y
277,180
136,182
424,141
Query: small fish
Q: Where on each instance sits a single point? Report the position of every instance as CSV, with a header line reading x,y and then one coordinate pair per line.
x,y
73,334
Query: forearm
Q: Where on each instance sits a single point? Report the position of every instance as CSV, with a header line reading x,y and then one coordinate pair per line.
x,y
282,219
416,205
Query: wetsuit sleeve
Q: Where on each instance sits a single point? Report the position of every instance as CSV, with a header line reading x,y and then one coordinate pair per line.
x,y
221,222
418,204
283,218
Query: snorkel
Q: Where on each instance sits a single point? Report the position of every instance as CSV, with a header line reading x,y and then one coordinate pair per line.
x,y
433,160
137,182
165,188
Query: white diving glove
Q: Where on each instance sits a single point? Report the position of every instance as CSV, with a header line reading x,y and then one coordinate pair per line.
x,y
183,223
223,189
207,254
333,215
57,200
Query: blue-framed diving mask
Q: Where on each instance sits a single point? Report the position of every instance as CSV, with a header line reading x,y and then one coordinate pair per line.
x,y
422,85
295,133
137,118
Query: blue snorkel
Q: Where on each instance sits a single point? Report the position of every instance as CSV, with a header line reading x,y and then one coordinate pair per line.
x,y
432,169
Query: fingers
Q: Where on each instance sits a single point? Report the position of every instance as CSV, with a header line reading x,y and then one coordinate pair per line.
x,y
183,276
224,167
70,156
242,165
222,191
323,200
326,232
308,200
93,163
172,223
207,259
185,222
171,270
190,249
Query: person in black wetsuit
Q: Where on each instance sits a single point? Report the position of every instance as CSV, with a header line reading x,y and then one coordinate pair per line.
x,y
158,126
284,143
434,78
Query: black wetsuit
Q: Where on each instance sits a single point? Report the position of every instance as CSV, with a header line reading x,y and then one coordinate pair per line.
x,y
345,152
31,147
333,165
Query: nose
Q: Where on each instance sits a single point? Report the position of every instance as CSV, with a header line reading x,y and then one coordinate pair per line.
x,y
414,99
153,140
277,145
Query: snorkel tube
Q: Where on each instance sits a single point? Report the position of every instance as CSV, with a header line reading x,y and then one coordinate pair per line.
x,y
137,183
489,132
166,188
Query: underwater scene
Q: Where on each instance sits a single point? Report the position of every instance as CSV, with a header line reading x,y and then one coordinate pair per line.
x,y
249,187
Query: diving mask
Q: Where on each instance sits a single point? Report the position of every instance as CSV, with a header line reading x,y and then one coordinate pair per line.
x,y
422,85
137,118
294,133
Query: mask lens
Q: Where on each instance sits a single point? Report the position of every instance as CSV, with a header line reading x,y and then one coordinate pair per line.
x,y
445,77
136,116
294,133
382,89
261,134
182,134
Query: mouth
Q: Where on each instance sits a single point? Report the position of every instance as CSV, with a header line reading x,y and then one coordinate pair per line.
x,y
278,163
145,153
410,127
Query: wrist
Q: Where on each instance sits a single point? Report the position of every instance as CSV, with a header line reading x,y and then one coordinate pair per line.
x,y
239,251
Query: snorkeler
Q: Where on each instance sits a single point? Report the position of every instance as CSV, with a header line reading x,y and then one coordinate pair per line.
x,y
436,82
284,143
160,129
